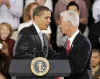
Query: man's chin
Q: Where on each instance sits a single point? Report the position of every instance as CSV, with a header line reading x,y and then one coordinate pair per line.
x,y
45,27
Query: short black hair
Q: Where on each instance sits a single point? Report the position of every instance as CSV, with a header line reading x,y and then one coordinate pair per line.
x,y
38,10
72,3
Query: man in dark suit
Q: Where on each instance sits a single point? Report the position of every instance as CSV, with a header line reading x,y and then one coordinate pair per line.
x,y
77,47
30,41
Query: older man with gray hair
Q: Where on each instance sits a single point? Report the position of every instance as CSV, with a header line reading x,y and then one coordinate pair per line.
x,y
69,21
75,21
77,47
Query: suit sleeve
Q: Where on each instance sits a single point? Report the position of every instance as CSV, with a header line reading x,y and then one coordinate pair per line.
x,y
21,46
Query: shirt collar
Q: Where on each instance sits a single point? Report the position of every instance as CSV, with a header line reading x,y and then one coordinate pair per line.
x,y
36,27
73,37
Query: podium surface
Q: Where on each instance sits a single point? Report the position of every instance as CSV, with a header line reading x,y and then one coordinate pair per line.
x,y
21,67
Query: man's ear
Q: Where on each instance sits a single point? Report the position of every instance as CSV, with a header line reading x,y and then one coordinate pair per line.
x,y
60,20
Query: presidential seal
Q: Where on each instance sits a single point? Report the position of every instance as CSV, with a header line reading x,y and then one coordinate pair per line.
x,y
40,66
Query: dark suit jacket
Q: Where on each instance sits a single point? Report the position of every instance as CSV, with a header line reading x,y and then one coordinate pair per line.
x,y
79,58
29,44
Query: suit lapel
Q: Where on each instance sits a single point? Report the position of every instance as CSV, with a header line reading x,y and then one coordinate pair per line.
x,y
36,36
75,42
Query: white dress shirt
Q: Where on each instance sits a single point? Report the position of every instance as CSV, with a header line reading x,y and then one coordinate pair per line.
x,y
12,15
48,3
96,10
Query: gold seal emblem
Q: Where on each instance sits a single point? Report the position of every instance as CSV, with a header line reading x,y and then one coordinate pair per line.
x,y
40,66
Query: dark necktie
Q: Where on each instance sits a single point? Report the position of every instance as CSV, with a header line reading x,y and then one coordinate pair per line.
x,y
68,47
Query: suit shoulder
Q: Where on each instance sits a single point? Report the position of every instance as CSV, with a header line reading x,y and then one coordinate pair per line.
x,y
23,25
84,41
27,30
